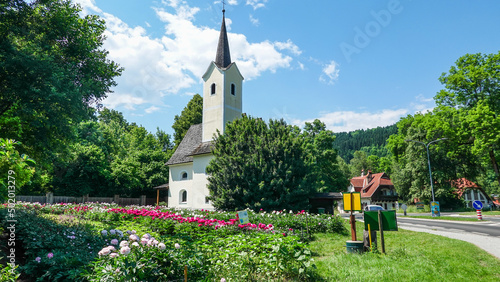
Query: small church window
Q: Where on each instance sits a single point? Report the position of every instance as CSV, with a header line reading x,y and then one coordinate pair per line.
x,y
233,89
207,200
184,175
183,198
212,89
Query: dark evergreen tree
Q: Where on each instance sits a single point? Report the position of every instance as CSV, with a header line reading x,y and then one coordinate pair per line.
x,y
259,166
372,141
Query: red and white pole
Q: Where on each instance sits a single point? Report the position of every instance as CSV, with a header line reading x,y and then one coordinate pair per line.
x,y
479,215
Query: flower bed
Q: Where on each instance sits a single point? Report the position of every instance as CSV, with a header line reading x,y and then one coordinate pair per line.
x,y
209,244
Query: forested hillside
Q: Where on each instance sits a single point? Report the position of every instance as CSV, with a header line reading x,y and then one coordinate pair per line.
x,y
372,141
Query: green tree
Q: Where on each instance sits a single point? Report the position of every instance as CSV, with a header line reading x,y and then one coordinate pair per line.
x,y
53,73
325,171
111,156
190,115
372,141
410,172
472,88
258,165
13,164
359,163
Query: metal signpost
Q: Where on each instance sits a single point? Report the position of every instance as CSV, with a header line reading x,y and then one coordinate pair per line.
x,y
430,171
478,205
352,203
381,221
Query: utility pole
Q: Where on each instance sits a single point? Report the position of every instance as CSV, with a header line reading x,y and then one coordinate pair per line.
x,y
429,164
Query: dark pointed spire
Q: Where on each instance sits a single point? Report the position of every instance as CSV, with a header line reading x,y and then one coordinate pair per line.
x,y
223,58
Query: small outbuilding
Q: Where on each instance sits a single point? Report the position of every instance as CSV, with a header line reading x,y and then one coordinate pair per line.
x,y
325,202
163,187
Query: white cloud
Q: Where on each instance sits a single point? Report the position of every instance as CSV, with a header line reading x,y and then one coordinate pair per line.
x,y
288,45
344,121
228,2
256,3
423,104
151,109
330,73
149,74
254,21
129,101
88,6
155,67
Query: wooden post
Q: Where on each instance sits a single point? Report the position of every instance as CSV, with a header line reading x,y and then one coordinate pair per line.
x,y
380,227
353,221
370,236
157,197
185,273
307,227
353,227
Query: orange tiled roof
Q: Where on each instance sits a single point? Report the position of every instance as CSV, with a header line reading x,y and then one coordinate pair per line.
x,y
461,185
375,181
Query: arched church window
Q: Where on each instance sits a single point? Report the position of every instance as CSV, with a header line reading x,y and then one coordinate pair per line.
x,y
184,175
183,196
212,89
233,89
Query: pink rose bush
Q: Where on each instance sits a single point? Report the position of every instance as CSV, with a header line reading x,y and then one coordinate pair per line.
x,y
196,240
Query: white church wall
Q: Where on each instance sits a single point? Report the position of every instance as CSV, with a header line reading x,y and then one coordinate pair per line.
x,y
200,182
177,185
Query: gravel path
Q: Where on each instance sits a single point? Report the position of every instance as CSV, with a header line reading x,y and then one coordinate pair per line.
x,y
487,243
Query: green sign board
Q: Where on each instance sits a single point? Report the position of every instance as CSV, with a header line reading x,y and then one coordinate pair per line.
x,y
389,222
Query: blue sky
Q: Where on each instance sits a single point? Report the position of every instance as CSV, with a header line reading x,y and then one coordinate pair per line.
x,y
352,64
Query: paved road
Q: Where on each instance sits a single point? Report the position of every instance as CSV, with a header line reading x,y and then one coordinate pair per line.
x,y
485,228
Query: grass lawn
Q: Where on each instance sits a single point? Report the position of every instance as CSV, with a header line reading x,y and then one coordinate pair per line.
x,y
410,256
483,212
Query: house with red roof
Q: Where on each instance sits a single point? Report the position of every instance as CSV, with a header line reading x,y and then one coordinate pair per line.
x,y
470,192
375,189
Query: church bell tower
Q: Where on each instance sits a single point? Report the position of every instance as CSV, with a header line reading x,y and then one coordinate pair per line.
x,y
222,89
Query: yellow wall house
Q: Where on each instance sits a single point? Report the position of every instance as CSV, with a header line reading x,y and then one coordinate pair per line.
x,y
222,99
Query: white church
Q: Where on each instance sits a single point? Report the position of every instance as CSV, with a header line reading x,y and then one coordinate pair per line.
x,y
222,99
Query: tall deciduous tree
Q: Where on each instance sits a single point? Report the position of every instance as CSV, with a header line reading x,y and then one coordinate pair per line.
x,y
410,173
325,172
15,168
53,73
111,157
190,115
472,87
258,165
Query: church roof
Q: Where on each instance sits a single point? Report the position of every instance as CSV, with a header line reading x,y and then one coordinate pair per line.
x,y
203,148
223,57
190,145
